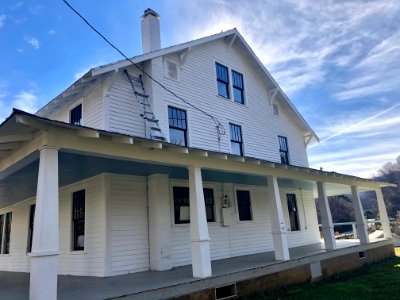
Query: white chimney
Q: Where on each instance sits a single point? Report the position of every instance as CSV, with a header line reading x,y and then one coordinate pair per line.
x,y
151,40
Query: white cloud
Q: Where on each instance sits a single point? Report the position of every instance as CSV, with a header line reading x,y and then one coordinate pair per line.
x,y
2,20
33,41
26,101
17,5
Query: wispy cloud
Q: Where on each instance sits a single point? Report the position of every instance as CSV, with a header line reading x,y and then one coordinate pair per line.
x,y
2,20
17,5
51,32
33,41
26,101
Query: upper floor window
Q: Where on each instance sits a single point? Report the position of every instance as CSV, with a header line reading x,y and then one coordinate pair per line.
x,y
177,126
75,117
182,204
283,150
238,87
222,80
244,205
78,220
236,139
293,212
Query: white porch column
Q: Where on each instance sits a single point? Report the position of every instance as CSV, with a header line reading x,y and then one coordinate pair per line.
x,y
387,233
326,218
159,222
359,213
200,240
44,255
278,222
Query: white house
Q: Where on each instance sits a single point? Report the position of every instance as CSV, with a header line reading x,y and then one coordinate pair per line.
x,y
190,155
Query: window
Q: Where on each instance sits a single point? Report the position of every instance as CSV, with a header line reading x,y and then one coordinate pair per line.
x,y
1,232
76,115
222,80
7,233
78,220
236,139
182,204
177,126
30,229
276,109
244,205
238,87
293,213
283,150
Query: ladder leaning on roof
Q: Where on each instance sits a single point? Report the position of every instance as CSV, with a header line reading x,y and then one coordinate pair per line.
x,y
146,112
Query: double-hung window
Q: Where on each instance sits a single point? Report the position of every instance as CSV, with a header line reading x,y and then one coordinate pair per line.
x,y
283,150
6,239
78,220
244,205
75,117
293,212
30,229
182,204
238,87
222,80
177,126
236,139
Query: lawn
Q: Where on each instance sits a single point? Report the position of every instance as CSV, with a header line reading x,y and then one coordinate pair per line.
x,y
377,281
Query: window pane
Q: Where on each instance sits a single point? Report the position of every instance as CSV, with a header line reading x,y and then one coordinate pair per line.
x,y
209,202
181,205
244,205
238,95
222,73
7,233
293,212
236,148
78,220
30,229
1,232
237,79
177,136
223,89
76,115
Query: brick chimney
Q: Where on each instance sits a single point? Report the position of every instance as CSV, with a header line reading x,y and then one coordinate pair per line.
x,y
151,40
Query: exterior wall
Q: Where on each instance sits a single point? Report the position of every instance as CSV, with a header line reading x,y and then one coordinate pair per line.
x,y
243,237
87,262
127,218
197,84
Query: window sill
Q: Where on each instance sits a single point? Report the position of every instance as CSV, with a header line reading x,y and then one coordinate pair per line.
x,y
77,252
232,101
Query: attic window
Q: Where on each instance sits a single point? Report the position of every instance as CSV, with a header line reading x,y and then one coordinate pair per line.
x,y
172,70
75,117
276,109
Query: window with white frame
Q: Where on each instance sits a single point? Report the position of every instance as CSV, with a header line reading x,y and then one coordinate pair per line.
x,y
293,212
244,205
171,69
75,117
177,126
283,150
182,204
222,80
5,233
78,220
236,139
238,87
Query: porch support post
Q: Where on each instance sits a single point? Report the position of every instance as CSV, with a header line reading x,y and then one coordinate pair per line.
x,y
278,222
326,218
45,242
200,240
359,213
387,233
159,222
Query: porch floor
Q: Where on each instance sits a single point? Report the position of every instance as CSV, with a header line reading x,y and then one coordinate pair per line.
x,y
155,284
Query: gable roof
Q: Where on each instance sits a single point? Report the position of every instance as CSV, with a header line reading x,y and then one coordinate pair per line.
x,y
310,135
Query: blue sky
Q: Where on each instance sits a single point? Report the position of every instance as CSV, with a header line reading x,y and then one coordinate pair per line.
x,y
338,61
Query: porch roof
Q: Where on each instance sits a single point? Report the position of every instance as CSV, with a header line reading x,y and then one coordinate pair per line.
x,y
22,134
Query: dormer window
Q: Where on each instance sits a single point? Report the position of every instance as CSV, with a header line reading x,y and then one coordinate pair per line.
x,y
222,80
171,69
75,117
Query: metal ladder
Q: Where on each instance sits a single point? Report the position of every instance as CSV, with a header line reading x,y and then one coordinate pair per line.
x,y
146,112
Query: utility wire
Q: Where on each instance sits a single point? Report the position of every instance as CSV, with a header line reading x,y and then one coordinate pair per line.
x,y
220,127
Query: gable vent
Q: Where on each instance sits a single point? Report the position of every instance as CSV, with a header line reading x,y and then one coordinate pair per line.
x,y
172,70
276,109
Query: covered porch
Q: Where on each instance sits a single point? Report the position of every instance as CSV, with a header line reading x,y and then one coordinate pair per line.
x,y
45,156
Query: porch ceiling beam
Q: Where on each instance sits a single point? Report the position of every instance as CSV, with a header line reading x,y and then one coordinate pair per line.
x,y
216,161
122,140
237,158
9,146
201,153
182,150
87,133
15,138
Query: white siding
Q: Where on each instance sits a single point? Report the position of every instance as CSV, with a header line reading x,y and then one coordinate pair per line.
x,y
123,108
87,262
197,84
243,237
128,220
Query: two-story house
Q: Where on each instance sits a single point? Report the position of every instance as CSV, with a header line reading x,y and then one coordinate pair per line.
x,y
185,155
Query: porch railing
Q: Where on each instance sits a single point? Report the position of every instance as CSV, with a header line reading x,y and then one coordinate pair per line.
x,y
344,231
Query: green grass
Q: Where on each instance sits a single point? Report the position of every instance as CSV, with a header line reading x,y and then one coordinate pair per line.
x,y
377,281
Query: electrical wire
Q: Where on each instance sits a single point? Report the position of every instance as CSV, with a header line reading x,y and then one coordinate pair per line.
x,y
219,126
